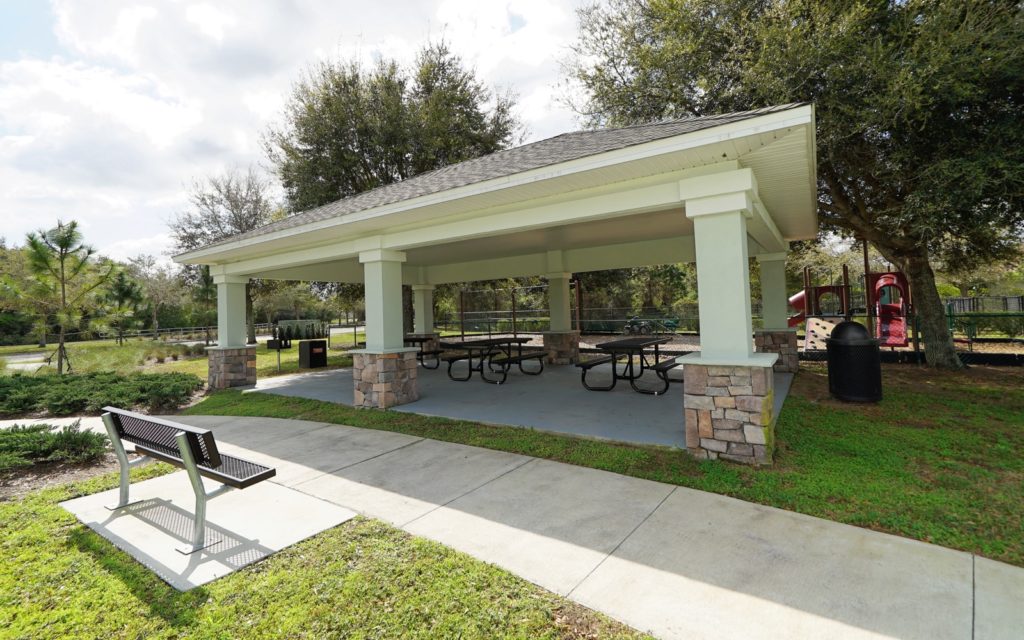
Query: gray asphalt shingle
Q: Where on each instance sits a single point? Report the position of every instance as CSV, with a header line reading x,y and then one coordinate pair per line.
x,y
561,148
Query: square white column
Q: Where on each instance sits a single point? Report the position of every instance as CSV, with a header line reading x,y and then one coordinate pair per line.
x,y
231,310
382,273
723,280
773,291
558,301
423,308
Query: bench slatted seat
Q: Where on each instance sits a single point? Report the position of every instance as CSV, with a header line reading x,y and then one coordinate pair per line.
x,y
190,448
587,365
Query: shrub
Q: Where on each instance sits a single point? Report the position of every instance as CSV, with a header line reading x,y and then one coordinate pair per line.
x,y
22,446
90,392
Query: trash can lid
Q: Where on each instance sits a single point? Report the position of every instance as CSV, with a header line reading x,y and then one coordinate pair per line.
x,y
850,330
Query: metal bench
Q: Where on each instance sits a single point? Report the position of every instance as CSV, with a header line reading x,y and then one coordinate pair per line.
x,y
192,449
587,365
505,362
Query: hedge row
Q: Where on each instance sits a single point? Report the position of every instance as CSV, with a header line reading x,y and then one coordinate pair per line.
x,y
90,392
25,445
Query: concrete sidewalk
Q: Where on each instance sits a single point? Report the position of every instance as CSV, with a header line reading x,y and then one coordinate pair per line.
x,y
675,562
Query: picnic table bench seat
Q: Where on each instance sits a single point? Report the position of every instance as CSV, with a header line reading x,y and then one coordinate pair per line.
x,y
586,365
505,362
184,446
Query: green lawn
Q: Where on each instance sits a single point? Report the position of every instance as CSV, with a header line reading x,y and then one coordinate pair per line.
x,y
140,355
938,460
363,579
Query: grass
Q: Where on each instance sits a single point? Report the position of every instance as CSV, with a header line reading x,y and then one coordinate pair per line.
x,y
363,579
266,362
937,460
25,445
138,354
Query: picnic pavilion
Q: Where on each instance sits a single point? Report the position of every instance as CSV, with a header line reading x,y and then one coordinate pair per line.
x,y
715,190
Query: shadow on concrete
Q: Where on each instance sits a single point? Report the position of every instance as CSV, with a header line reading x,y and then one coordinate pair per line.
x,y
602,537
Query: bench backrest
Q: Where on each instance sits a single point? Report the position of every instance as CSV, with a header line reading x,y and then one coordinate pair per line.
x,y
159,436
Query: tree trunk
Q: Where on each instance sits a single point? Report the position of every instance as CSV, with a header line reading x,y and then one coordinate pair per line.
x,y
938,341
156,324
250,320
60,351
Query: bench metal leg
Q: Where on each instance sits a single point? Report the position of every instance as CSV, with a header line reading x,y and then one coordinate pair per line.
x,y
469,371
533,373
122,459
503,370
593,388
199,538
652,392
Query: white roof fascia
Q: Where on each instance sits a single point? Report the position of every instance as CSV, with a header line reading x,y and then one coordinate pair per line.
x,y
797,116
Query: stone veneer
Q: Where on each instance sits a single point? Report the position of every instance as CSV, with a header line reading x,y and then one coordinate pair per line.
x,y
729,412
562,347
782,342
383,380
231,367
433,342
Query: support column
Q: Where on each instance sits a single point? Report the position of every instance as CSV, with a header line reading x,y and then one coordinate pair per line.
x,y
728,389
561,342
423,316
232,363
776,336
384,373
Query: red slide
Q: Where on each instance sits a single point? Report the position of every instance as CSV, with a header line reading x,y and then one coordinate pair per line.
x,y
892,325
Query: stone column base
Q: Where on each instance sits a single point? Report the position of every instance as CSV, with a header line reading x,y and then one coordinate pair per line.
x,y
433,342
563,347
782,342
383,380
231,367
729,412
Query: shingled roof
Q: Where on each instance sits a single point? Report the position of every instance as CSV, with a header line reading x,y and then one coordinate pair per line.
x,y
500,164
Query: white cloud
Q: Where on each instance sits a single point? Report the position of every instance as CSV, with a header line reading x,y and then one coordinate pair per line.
x,y
146,95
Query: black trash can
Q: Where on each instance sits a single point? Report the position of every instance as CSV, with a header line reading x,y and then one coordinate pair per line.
x,y
854,364
312,354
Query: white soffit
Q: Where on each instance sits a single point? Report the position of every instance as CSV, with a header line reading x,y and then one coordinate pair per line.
x,y
778,147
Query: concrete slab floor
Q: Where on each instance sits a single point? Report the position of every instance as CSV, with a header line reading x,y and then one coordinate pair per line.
x,y
249,525
553,401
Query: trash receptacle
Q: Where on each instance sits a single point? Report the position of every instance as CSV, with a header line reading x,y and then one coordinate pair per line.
x,y
854,364
312,354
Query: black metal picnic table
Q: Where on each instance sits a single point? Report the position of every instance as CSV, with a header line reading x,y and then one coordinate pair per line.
x,y
631,348
485,350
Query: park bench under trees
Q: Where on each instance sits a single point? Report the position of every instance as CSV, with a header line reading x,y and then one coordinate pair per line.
x,y
189,448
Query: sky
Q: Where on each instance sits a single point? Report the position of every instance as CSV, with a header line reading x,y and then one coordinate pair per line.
x,y
109,109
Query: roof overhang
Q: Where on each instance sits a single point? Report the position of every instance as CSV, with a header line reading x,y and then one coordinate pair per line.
x,y
621,196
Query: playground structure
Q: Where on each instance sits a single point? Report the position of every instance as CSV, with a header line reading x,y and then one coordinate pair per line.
x,y
889,297
887,306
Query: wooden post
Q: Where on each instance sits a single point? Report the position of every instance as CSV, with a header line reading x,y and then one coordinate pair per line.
x,y
579,298
462,314
869,297
846,293
809,306
515,334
